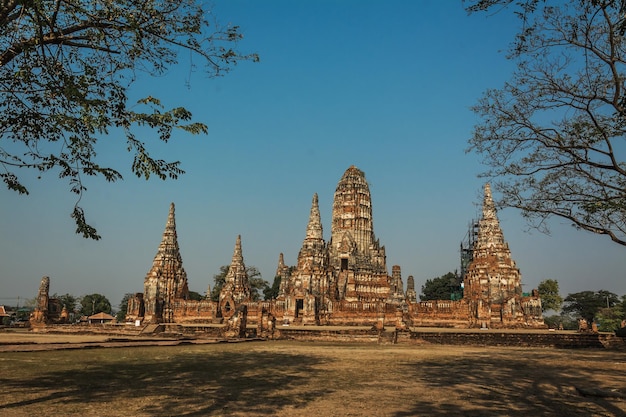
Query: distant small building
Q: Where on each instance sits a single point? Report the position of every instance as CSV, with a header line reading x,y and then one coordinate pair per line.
x,y
100,318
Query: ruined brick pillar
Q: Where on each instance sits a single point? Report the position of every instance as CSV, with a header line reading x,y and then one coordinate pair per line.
x,y
411,295
39,316
396,290
282,271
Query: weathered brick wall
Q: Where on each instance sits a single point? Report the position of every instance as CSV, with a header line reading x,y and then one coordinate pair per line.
x,y
488,338
476,338
440,313
194,311
331,335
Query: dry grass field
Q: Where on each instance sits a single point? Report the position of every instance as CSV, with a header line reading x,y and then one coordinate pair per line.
x,y
307,379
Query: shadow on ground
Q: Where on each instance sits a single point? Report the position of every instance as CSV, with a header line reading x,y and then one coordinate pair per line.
x,y
488,384
300,379
182,384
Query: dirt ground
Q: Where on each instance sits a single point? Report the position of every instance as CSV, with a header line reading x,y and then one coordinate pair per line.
x,y
289,378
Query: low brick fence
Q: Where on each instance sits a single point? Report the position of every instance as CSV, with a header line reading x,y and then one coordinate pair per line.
x,y
548,339
416,335
566,340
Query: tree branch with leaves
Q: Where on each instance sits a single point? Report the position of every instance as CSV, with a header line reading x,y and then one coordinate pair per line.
x,y
553,137
65,70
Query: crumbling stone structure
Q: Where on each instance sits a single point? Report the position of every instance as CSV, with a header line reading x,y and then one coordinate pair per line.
x,y
166,281
165,298
236,323
48,310
236,289
493,283
345,281
411,295
266,325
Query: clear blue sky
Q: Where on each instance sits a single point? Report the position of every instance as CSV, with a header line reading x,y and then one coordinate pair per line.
x,y
386,86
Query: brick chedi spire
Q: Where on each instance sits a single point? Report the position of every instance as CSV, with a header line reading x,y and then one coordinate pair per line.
x,y
493,281
281,265
167,279
396,287
312,259
311,255
411,295
236,286
309,280
314,228
489,232
282,271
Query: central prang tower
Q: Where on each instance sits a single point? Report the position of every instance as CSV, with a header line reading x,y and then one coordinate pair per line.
x,y
358,270
350,270
353,245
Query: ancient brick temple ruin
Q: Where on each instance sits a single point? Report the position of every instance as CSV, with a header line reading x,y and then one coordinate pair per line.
x,y
165,297
493,283
47,310
345,281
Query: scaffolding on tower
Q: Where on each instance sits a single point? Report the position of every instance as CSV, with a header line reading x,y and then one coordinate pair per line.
x,y
467,247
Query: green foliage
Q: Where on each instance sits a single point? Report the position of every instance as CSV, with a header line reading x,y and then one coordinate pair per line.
x,y
569,322
552,321
549,293
65,72
23,313
30,303
219,281
94,303
67,300
257,283
609,319
587,304
270,293
562,321
553,135
123,307
440,288
195,296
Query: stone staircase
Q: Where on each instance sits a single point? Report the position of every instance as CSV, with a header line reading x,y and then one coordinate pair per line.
x,y
152,329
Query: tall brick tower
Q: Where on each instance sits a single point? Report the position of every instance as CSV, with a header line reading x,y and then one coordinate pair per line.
x,y
352,242
312,257
167,279
282,271
493,283
309,280
356,259
236,289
